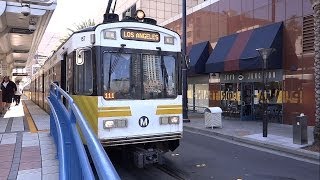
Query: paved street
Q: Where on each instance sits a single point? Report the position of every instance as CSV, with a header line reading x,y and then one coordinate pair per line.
x,y
203,157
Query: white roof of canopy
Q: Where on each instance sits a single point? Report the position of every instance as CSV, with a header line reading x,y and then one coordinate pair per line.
x,y
21,33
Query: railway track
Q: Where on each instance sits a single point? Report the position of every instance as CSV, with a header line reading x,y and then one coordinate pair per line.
x,y
172,172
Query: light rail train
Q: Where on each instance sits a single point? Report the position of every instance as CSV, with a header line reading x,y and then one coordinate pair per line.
x,y
125,77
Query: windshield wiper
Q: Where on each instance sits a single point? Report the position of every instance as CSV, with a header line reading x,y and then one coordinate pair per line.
x,y
164,76
112,66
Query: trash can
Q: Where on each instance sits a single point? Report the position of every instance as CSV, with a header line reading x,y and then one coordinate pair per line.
x,y
212,117
300,130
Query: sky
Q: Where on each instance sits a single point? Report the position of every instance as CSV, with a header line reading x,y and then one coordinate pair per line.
x,y
66,15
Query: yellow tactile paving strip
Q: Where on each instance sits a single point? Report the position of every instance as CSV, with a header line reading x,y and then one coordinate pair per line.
x,y
31,124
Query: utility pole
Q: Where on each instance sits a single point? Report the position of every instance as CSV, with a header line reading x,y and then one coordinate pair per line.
x,y
184,65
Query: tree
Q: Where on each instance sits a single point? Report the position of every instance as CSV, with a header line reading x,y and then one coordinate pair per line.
x,y
78,27
316,11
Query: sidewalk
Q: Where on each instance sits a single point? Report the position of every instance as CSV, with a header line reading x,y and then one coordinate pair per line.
x,y
27,151
250,132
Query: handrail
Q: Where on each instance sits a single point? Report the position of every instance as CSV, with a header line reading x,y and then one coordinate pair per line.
x,y
97,152
61,147
71,117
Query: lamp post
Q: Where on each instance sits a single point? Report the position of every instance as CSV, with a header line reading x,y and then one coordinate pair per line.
x,y
184,63
264,54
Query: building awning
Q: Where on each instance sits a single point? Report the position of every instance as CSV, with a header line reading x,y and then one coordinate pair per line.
x,y
237,52
199,54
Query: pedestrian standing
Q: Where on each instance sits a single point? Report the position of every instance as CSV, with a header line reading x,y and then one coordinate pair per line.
x,y
8,90
18,93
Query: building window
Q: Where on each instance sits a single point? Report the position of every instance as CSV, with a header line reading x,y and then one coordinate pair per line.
x,y
308,34
189,34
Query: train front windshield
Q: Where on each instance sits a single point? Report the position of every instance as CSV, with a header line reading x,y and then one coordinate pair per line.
x,y
139,76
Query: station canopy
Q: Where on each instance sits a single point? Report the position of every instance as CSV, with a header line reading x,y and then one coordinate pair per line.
x,y
22,25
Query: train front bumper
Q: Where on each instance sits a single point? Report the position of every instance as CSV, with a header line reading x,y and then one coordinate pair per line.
x,y
141,139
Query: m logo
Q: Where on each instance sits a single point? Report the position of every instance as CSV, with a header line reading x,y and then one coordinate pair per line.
x,y
143,121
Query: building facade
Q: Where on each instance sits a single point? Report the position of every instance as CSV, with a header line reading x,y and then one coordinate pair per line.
x,y
231,80
160,10
227,29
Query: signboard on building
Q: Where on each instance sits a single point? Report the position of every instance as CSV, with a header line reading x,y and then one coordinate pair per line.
x,y
253,76
3,68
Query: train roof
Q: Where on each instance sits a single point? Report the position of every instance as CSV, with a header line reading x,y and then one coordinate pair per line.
x,y
93,28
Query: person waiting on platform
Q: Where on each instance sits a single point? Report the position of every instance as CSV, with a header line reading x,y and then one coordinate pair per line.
x,y
18,93
8,90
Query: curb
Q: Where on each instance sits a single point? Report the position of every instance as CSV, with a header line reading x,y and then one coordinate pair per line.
x,y
299,153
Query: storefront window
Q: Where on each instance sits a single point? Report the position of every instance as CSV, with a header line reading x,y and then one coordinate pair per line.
x,y
243,99
201,96
230,99
190,97
198,97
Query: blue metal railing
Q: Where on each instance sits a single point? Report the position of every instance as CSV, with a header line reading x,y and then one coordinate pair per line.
x,y
65,123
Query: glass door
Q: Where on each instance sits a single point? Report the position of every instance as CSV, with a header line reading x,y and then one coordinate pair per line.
x,y
258,101
273,94
230,100
247,101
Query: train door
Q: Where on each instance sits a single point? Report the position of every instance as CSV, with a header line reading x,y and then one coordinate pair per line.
x,y
45,85
32,90
40,85
63,81
69,80
37,90
42,91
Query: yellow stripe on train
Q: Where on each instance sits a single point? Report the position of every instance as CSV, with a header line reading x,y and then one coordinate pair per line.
x,y
114,108
114,111
169,109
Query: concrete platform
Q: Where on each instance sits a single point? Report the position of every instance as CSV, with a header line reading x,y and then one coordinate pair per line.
x,y
27,149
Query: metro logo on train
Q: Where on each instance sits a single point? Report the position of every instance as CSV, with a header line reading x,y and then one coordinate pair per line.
x,y
130,34
144,121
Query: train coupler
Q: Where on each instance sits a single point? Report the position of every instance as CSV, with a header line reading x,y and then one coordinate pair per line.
x,y
143,157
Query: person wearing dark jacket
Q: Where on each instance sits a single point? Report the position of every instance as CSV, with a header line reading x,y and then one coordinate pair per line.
x,y
8,89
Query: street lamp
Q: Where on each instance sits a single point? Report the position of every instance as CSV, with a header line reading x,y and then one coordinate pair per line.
x,y
264,54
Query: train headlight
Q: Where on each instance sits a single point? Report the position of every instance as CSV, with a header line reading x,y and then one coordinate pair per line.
x,y
164,120
140,14
115,123
174,120
168,40
169,120
110,35
108,124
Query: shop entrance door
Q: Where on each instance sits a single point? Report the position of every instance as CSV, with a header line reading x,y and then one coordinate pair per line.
x,y
247,101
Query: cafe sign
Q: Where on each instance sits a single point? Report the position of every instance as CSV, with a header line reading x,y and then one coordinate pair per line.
x,y
252,76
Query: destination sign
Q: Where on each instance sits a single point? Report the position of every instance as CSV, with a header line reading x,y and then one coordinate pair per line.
x,y
137,35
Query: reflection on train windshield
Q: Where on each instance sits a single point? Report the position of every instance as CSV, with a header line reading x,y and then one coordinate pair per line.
x,y
139,76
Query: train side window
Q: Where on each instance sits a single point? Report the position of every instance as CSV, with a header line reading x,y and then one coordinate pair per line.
x,y
83,72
